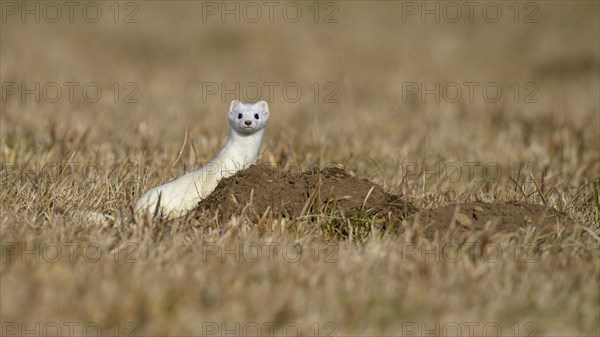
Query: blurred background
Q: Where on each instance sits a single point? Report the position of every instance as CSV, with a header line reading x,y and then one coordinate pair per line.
x,y
367,73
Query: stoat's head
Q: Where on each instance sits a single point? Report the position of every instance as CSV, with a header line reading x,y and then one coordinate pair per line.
x,y
247,118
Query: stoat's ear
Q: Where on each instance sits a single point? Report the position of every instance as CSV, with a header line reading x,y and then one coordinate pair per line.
x,y
264,108
233,106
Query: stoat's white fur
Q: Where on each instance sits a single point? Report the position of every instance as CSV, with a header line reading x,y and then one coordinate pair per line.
x,y
177,197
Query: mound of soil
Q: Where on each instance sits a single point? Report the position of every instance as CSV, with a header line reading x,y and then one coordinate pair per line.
x,y
330,191
333,192
499,217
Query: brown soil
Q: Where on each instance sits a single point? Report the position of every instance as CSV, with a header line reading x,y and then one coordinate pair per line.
x,y
497,217
333,192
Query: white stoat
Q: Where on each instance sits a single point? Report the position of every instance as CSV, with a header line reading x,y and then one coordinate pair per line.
x,y
177,197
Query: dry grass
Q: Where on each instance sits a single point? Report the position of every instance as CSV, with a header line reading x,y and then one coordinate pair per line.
x,y
168,278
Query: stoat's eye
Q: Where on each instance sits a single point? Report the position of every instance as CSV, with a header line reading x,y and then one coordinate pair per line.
x,y
240,116
256,116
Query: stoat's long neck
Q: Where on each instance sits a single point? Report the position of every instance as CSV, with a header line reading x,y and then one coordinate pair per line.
x,y
241,150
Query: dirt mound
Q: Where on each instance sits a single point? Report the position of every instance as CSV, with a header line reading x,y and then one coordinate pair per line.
x,y
331,191
335,193
501,217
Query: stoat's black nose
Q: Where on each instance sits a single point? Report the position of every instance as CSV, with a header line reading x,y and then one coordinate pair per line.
x,y
248,123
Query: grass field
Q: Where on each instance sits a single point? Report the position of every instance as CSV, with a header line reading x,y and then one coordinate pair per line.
x,y
115,98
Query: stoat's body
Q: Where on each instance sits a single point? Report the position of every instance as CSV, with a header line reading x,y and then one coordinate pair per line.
x,y
177,197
